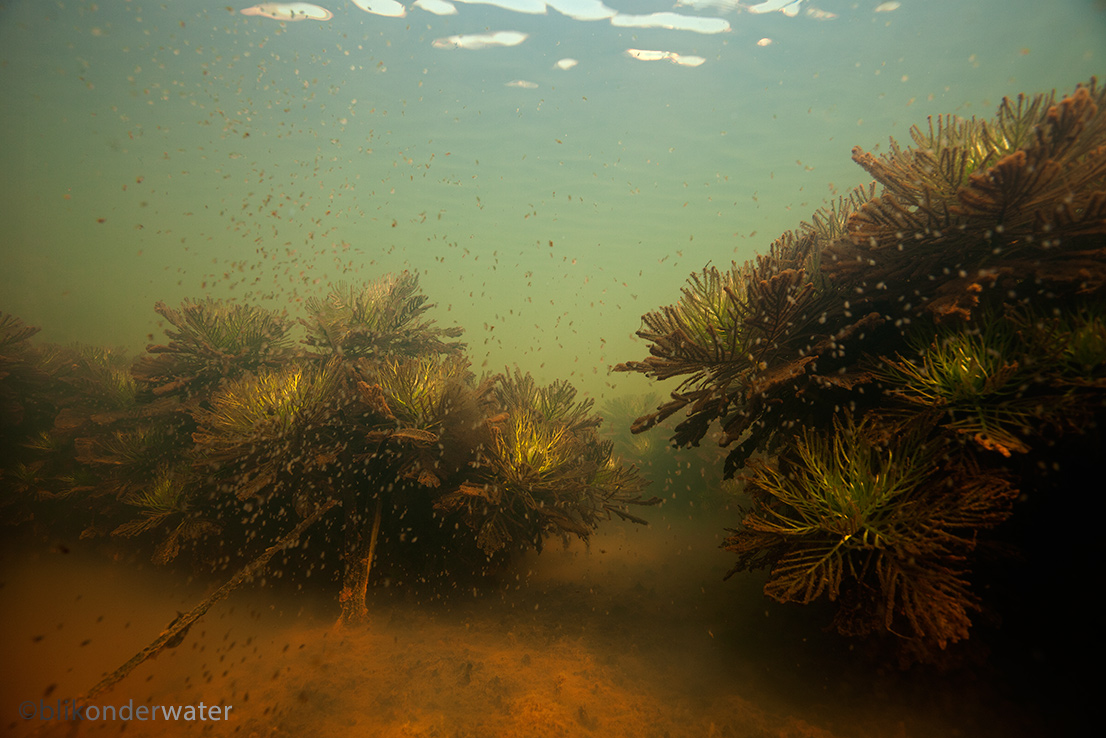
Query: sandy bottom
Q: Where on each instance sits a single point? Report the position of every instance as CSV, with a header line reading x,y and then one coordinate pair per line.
x,y
635,635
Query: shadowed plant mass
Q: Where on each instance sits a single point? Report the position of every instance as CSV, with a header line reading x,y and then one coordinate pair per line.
x,y
373,446
905,364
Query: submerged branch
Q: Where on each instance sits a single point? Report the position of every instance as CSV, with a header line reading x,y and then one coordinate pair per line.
x,y
180,626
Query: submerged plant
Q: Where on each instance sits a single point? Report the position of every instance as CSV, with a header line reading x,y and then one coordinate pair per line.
x,y
543,470
977,379
1075,342
228,442
23,380
884,529
422,392
956,297
162,503
1085,349
743,339
14,331
977,203
1002,381
382,318
211,341
430,406
101,378
261,432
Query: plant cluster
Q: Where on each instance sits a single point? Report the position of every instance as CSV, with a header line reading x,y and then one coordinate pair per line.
x,y
222,440
896,361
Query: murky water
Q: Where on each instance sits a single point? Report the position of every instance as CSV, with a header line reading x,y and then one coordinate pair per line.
x,y
158,151
636,636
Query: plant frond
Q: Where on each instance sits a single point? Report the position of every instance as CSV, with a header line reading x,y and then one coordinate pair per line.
x,y
854,513
973,194
378,320
543,470
272,426
422,392
13,331
211,341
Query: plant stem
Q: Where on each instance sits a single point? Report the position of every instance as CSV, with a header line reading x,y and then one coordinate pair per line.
x,y
178,628
354,609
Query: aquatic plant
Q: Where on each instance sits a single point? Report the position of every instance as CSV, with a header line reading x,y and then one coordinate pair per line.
x,y
14,333
393,441
1003,380
162,502
955,301
264,432
227,438
883,527
432,406
100,377
542,470
381,318
210,342
1073,341
81,401
422,391
386,420
165,496
747,341
21,378
975,204
977,378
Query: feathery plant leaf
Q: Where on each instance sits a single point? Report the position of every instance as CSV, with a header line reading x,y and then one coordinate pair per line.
x,y
703,331
13,331
272,406
974,194
553,404
212,341
216,328
850,512
989,232
161,500
959,367
383,318
263,432
102,376
987,378
1083,353
543,469
165,495
136,451
420,391
537,442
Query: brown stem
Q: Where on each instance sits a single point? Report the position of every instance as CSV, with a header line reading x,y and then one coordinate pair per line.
x,y
176,631
356,588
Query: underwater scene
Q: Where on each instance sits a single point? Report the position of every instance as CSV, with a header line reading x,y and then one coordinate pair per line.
x,y
465,368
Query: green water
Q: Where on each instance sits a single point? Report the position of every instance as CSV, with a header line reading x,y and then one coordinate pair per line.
x,y
157,151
